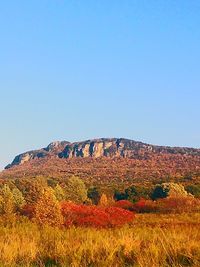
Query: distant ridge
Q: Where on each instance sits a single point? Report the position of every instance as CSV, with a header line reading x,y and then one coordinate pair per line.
x,y
103,147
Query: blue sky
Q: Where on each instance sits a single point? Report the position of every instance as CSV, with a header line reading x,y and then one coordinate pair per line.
x,y
74,70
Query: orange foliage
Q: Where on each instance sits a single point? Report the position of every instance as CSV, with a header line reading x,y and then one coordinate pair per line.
x,y
124,204
179,204
28,210
144,205
145,168
168,205
94,216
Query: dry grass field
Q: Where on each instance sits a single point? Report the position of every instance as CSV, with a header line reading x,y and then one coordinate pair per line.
x,y
152,240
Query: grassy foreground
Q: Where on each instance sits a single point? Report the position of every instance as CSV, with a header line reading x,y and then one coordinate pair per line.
x,y
152,240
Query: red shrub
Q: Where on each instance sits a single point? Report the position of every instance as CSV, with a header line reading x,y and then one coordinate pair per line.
x,y
28,210
168,205
81,215
119,216
124,204
78,214
92,221
143,206
178,204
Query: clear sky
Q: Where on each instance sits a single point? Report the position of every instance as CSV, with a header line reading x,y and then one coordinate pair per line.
x,y
74,70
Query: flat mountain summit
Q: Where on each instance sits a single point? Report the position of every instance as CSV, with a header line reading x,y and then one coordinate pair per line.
x,y
107,161
103,147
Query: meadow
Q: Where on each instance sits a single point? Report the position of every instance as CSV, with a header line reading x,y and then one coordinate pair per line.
x,y
151,240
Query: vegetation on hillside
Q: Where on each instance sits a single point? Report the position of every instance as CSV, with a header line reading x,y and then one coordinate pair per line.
x,y
111,172
71,202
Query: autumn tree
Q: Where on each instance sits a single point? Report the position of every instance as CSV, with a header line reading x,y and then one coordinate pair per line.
x,y
7,200
59,192
159,192
119,195
135,193
193,189
18,198
103,200
76,190
169,190
47,209
31,188
7,204
94,194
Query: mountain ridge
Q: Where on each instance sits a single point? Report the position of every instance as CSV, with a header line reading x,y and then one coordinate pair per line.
x,y
100,147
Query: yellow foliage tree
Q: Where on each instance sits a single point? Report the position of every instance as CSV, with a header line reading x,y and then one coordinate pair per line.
x,y
47,209
7,204
103,200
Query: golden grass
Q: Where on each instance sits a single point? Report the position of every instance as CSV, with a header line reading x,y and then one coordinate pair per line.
x,y
152,241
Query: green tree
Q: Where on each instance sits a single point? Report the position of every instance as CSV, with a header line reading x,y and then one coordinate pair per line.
x,y
94,194
159,192
133,193
59,193
119,195
76,190
169,190
18,198
51,182
193,189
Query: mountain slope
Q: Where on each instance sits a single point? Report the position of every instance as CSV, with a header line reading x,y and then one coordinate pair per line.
x,y
52,150
107,161
104,147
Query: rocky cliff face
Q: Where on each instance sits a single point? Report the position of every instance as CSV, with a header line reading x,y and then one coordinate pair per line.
x,y
104,147
52,150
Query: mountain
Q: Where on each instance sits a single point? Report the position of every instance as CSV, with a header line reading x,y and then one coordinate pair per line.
x,y
52,150
106,158
104,147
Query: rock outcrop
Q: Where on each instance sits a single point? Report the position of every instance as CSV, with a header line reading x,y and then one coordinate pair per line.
x,y
108,147
52,150
104,147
